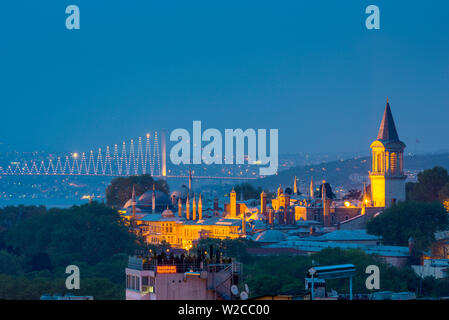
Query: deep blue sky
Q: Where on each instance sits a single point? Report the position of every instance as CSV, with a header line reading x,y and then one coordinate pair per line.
x,y
309,68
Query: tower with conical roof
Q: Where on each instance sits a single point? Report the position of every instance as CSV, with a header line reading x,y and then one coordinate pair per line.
x,y
387,175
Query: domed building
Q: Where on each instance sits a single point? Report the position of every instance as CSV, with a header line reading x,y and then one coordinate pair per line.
x,y
270,236
167,213
145,201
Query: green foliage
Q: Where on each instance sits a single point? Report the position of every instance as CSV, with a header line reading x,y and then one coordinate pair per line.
x,y
26,288
329,193
430,182
285,274
39,247
443,194
120,189
248,191
410,219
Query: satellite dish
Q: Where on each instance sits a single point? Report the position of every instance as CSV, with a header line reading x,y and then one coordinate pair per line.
x,y
246,288
234,290
243,295
312,271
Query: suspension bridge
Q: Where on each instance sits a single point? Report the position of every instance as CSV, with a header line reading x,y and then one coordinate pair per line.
x,y
146,156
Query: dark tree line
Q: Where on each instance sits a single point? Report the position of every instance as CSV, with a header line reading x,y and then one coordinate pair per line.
x,y
120,189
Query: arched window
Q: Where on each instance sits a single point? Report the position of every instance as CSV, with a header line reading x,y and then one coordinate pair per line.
x,y
394,162
379,162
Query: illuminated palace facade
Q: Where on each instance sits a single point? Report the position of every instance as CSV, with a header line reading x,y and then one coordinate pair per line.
x,y
189,223
183,228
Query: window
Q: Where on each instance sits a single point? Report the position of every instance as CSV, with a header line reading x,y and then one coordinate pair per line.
x,y
394,162
379,162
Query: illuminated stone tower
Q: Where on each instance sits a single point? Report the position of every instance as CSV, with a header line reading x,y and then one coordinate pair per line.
x,y
233,203
387,175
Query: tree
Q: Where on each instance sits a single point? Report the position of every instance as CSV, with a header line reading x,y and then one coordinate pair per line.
x,y
329,193
444,196
429,184
120,189
410,219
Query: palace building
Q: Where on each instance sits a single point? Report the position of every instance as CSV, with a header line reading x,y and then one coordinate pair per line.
x,y
152,217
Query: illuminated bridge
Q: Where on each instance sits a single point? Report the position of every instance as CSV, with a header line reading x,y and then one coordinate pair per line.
x,y
137,158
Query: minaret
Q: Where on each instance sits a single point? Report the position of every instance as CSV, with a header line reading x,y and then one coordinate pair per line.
x,y
312,189
295,186
243,223
190,180
387,175
179,207
188,208
200,208
233,203
263,203
133,201
194,208
153,200
326,216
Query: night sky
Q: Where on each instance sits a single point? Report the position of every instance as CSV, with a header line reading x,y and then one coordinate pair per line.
x,y
309,68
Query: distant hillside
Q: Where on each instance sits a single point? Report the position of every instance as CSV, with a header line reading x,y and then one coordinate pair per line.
x,y
347,173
